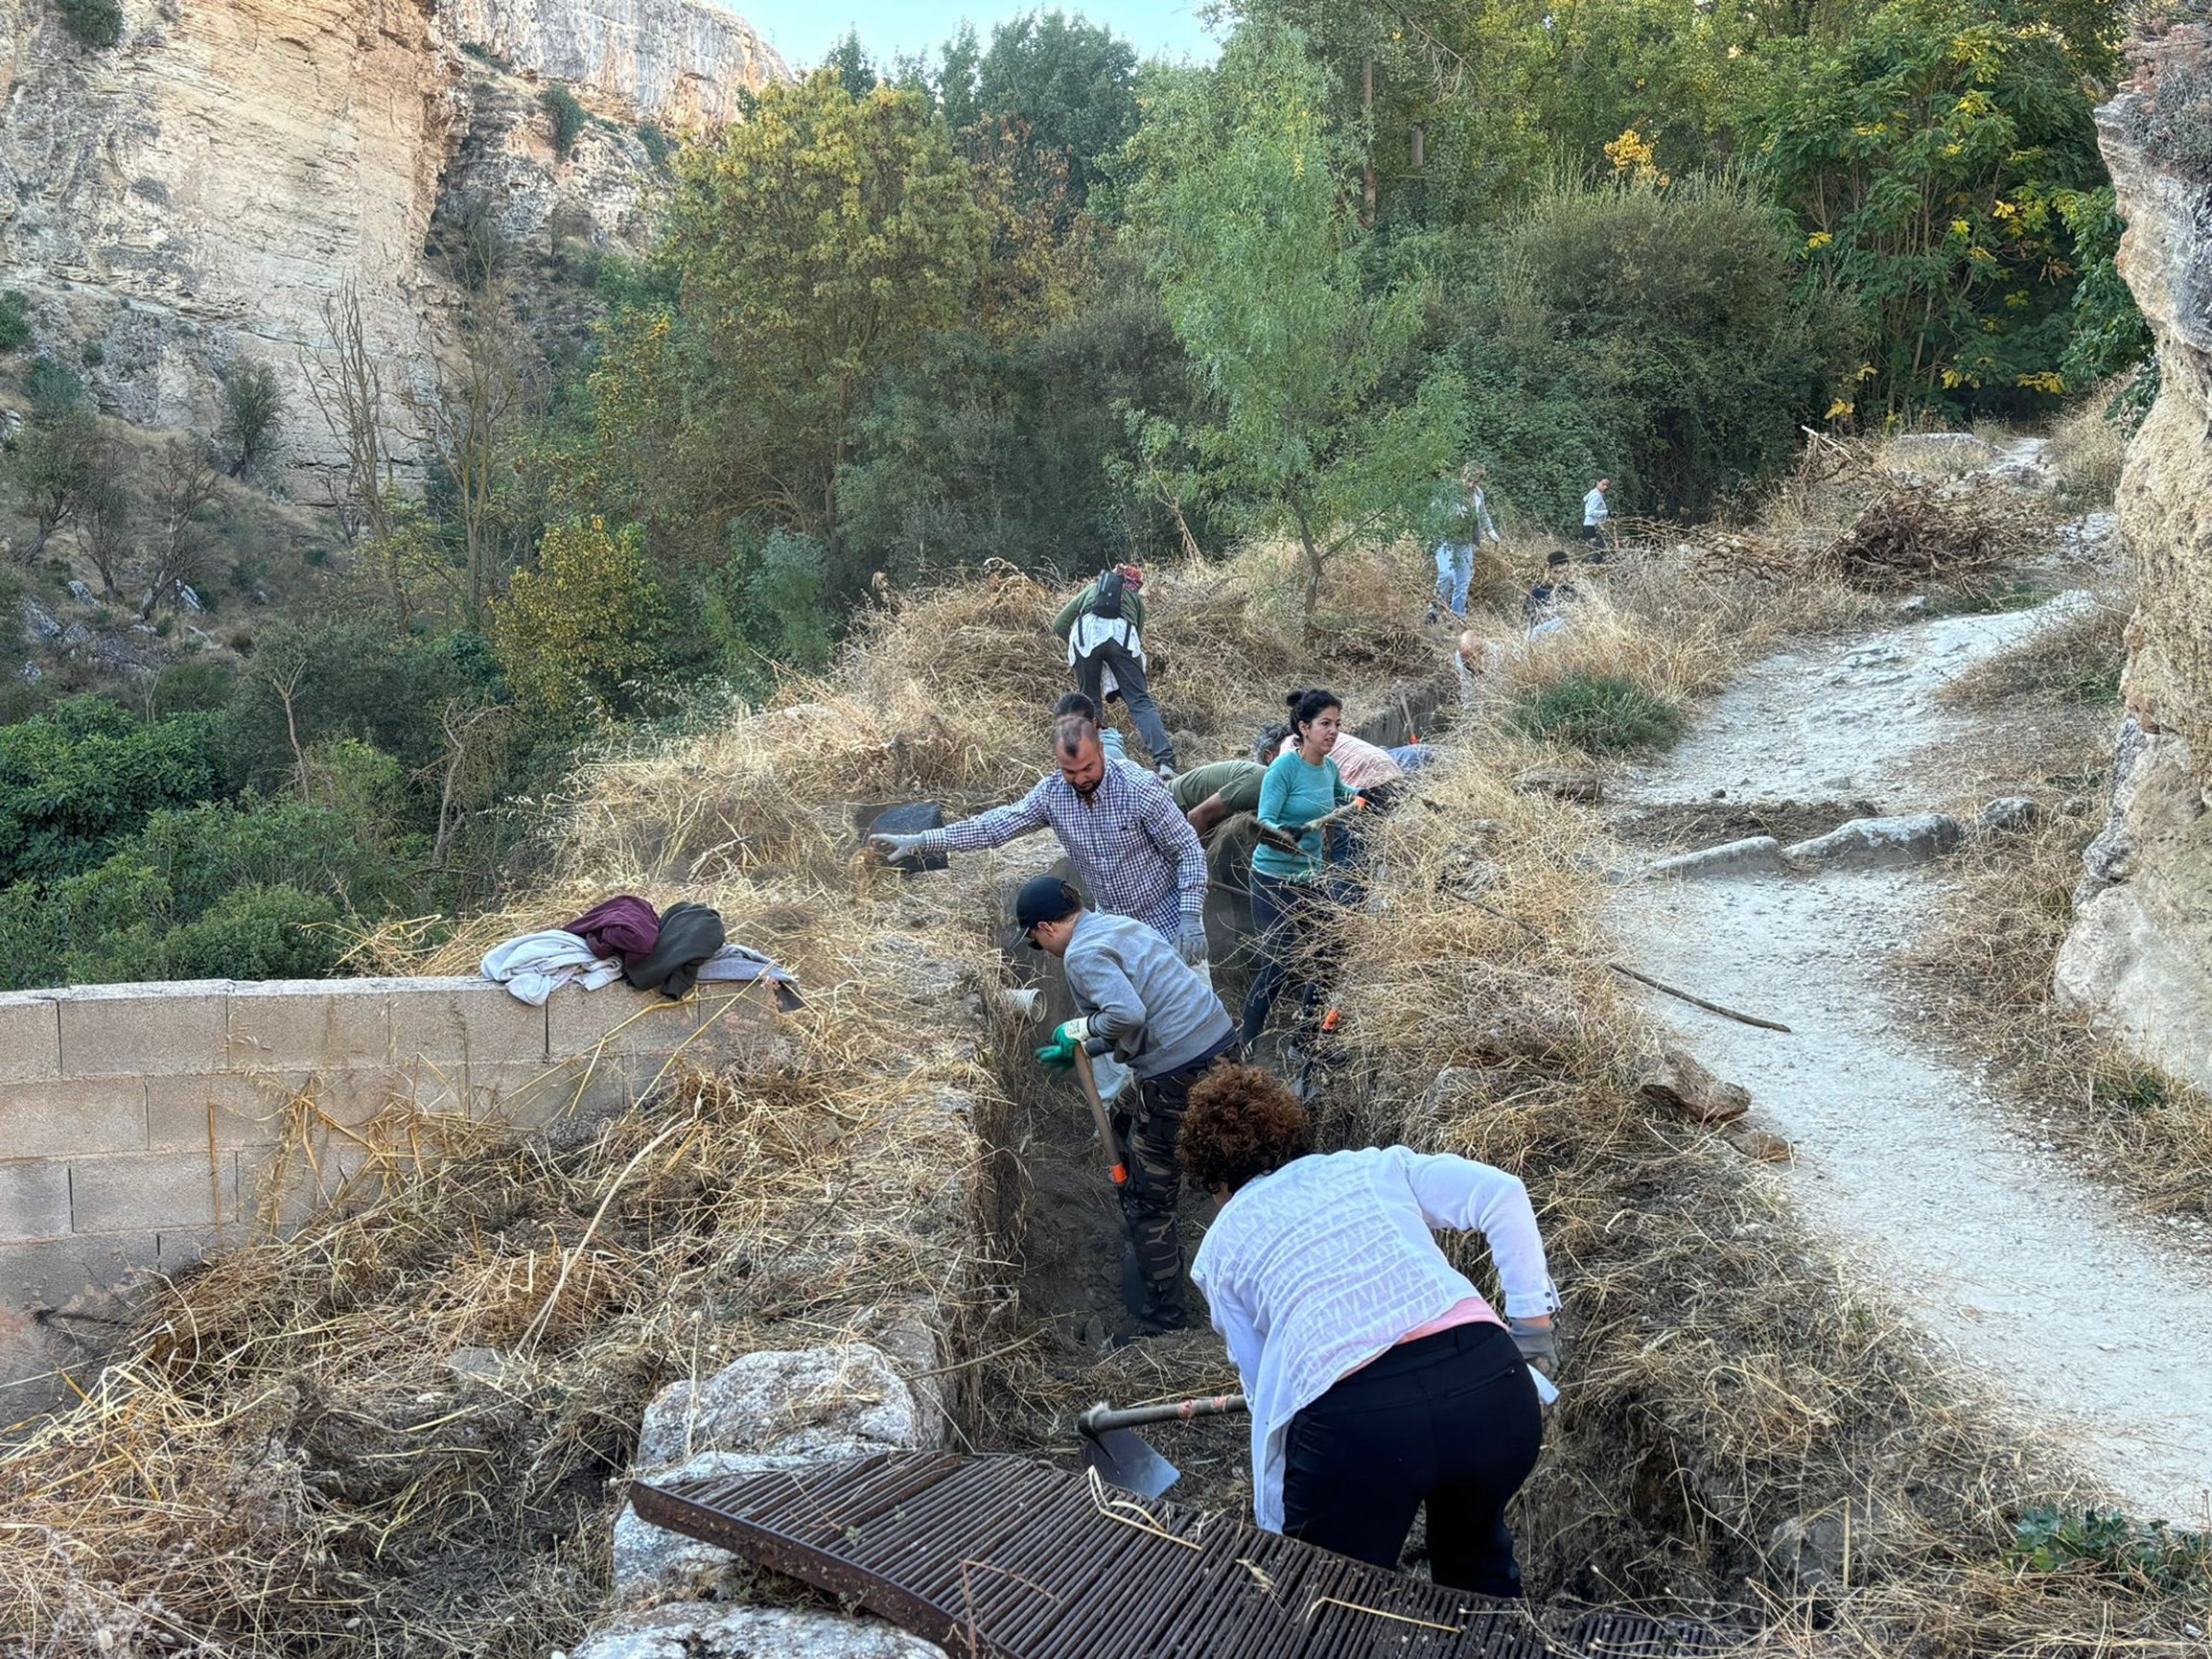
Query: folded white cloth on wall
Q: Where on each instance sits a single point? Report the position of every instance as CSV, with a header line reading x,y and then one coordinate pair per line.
x,y
536,965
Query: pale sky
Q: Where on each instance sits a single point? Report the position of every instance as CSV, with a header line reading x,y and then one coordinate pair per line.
x,y
802,31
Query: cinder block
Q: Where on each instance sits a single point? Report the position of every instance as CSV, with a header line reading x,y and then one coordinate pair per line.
x,y
152,1191
464,1021
487,1092
182,1248
284,1192
617,1020
317,1025
144,1029
33,1201
52,1272
76,1119
29,1037
223,1110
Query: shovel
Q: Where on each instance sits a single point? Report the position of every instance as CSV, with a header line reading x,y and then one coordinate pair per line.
x,y
1122,1458
1118,1171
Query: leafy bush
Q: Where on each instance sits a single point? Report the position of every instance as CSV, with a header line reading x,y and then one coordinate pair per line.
x,y
1600,714
253,406
257,933
78,780
2150,1558
1656,336
92,353
52,388
97,23
576,632
191,689
657,144
567,116
15,320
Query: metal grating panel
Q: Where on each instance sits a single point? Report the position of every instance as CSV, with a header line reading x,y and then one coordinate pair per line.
x,y
1004,1557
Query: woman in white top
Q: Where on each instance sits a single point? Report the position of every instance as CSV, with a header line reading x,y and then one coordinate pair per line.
x,y
1380,1379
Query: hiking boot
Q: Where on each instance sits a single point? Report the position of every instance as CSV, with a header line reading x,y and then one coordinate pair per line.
x,y
1167,770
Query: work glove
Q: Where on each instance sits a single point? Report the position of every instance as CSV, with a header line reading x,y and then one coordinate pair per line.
x,y
1058,1055
1539,1345
1191,942
892,849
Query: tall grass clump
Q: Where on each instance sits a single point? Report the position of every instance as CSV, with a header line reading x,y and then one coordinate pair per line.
x,y
1600,714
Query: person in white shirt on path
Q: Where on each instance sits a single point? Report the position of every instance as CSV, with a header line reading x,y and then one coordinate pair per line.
x,y
1380,1379
1596,530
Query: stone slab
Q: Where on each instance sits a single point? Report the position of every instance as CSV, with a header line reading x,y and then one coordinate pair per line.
x,y
159,1030
30,1038
152,1191
74,1119
1752,856
33,1201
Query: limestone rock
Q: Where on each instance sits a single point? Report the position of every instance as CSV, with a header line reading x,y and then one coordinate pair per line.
x,y
706,1630
820,1401
1677,1080
1760,1145
1880,843
1752,856
653,1565
2007,813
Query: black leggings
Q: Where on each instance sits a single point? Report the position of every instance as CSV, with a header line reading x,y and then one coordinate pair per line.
x,y
1452,1421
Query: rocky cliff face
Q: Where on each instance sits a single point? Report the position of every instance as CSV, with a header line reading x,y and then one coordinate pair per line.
x,y
2140,954
194,195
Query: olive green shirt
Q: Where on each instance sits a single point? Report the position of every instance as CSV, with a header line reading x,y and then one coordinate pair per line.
x,y
1236,781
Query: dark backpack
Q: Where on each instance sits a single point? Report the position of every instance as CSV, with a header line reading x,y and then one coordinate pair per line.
x,y
1106,597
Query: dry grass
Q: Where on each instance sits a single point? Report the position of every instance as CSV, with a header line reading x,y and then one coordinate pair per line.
x,y
1744,1422
293,1454
2074,659
2086,450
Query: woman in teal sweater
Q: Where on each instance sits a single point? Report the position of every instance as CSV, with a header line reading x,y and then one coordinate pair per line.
x,y
1300,787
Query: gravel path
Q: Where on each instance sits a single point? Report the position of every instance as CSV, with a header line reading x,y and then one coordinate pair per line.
x,y
2100,1334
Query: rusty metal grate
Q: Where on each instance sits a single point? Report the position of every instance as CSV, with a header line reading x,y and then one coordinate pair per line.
x,y
1003,1557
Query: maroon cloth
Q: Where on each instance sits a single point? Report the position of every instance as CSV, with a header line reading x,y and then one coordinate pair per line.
x,y
624,926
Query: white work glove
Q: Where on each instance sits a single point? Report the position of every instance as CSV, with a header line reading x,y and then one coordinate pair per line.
x,y
1191,942
892,849
1539,1345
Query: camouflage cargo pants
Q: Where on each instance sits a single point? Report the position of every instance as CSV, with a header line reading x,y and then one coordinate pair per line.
x,y
1156,1185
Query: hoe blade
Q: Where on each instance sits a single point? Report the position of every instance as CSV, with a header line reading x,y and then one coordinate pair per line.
x,y
1124,1459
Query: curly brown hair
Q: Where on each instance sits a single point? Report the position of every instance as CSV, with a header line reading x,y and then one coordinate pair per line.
x,y
1241,1122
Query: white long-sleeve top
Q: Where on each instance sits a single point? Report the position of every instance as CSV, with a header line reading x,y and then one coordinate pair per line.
x,y
536,965
1313,1270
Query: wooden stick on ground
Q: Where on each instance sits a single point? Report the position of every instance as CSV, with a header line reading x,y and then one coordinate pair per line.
x,y
1696,1001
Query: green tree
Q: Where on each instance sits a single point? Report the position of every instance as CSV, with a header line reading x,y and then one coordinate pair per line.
x,y
1069,84
252,407
15,320
817,245
97,23
78,780
576,632
566,117
1925,148
55,459
1241,193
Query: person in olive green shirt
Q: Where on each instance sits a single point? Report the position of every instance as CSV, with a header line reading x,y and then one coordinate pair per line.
x,y
1106,651
1211,794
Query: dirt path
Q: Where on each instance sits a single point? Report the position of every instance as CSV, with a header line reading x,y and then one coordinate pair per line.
x,y
2028,1272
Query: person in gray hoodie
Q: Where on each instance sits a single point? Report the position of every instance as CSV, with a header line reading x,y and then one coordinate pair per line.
x,y
1161,1019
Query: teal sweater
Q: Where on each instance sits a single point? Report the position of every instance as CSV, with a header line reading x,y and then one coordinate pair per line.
x,y
1291,796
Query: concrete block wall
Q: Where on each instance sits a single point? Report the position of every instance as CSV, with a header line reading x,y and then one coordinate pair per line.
x,y
145,1126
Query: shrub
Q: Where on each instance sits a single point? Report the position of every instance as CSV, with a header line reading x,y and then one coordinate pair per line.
x,y
75,781
256,933
92,353
191,689
2087,445
253,406
15,320
52,388
567,116
657,142
576,632
2132,1555
1600,714
97,23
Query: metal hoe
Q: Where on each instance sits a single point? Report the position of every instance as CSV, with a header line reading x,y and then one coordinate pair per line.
x,y
1122,1458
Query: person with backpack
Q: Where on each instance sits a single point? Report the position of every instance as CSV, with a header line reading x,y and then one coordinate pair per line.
x,y
1104,627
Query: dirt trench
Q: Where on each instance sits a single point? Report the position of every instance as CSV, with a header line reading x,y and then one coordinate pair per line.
x,y
2095,1332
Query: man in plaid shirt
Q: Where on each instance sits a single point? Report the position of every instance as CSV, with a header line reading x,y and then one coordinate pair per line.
x,y
1132,850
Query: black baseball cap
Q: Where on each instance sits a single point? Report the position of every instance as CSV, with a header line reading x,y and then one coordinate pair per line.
x,y
1042,899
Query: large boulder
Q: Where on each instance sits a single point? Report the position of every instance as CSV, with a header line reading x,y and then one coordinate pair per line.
x,y
707,1630
778,1408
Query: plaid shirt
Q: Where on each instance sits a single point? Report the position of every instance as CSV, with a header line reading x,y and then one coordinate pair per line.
x,y
1133,852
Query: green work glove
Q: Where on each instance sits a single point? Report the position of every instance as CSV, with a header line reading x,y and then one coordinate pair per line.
x,y
1058,1055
